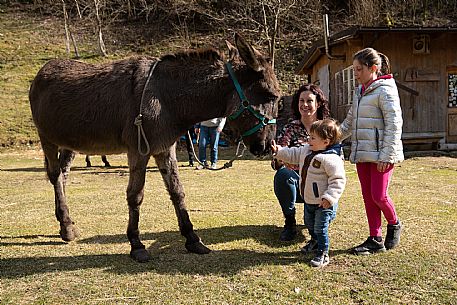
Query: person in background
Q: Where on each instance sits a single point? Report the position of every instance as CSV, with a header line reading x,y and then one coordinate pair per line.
x,y
309,104
322,182
190,137
375,125
209,132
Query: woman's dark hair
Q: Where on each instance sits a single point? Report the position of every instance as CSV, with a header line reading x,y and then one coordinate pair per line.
x,y
323,111
385,64
370,57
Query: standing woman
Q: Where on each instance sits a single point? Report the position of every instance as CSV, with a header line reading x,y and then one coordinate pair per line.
x,y
308,105
375,123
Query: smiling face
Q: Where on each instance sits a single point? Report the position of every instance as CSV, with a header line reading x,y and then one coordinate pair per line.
x,y
364,74
316,143
307,104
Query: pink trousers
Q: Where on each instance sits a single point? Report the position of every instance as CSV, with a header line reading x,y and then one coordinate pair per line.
x,y
374,186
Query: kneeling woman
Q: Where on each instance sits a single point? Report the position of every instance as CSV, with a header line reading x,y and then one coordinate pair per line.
x,y
309,104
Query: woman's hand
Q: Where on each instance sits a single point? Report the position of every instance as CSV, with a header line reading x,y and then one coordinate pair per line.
x,y
383,166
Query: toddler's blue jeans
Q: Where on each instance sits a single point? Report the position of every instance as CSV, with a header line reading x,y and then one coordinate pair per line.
x,y
317,221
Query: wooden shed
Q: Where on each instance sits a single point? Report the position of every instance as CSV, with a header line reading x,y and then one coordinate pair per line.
x,y
424,64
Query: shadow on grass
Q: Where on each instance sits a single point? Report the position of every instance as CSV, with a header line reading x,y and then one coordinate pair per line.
x,y
263,234
168,254
85,170
25,169
4,240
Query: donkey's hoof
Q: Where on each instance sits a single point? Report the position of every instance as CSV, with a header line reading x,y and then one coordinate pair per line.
x,y
198,247
140,255
69,232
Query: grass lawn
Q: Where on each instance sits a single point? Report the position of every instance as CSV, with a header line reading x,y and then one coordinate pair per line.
x,y
236,214
234,211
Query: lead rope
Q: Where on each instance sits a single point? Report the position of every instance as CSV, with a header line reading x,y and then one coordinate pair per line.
x,y
226,164
139,119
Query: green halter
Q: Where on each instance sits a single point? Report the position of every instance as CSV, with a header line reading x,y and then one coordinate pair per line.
x,y
246,105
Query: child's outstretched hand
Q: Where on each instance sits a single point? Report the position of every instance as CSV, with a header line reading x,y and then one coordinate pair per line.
x,y
274,147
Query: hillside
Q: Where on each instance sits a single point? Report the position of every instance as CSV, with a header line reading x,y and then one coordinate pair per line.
x,y
32,32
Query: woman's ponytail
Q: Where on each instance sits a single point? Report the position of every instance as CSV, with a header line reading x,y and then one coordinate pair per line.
x,y
385,64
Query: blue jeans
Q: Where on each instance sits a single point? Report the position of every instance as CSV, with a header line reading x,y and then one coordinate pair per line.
x,y
211,136
189,143
286,187
317,221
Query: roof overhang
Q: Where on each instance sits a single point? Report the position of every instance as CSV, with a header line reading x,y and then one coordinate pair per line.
x,y
318,48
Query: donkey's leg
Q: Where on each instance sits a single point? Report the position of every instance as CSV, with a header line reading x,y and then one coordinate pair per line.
x,y
168,167
135,194
66,157
68,230
88,164
105,161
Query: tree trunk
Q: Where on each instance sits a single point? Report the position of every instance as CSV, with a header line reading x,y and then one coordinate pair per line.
x,y
68,34
101,44
75,47
67,31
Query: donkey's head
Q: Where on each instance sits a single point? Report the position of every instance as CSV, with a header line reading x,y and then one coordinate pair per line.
x,y
257,97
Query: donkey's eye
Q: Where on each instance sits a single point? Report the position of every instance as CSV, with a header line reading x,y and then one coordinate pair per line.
x,y
281,104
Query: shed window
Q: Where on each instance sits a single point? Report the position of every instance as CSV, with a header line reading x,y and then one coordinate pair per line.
x,y
452,93
345,86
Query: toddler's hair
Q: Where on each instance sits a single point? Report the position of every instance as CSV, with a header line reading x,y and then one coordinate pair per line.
x,y
327,129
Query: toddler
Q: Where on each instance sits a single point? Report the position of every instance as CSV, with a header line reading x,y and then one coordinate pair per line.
x,y
322,181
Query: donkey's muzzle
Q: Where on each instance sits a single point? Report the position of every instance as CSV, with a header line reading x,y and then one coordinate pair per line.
x,y
260,149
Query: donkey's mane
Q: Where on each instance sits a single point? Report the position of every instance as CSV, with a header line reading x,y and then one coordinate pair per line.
x,y
210,54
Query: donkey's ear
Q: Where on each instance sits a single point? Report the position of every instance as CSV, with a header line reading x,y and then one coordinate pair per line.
x,y
256,52
233,51
248,53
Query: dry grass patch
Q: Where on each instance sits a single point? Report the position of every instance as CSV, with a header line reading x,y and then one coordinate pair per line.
x,y
236,214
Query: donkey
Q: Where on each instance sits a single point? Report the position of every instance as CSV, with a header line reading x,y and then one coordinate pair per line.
x,y
142,106
104,160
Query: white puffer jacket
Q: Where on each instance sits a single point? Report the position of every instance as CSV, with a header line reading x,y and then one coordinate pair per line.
x,y
375,123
